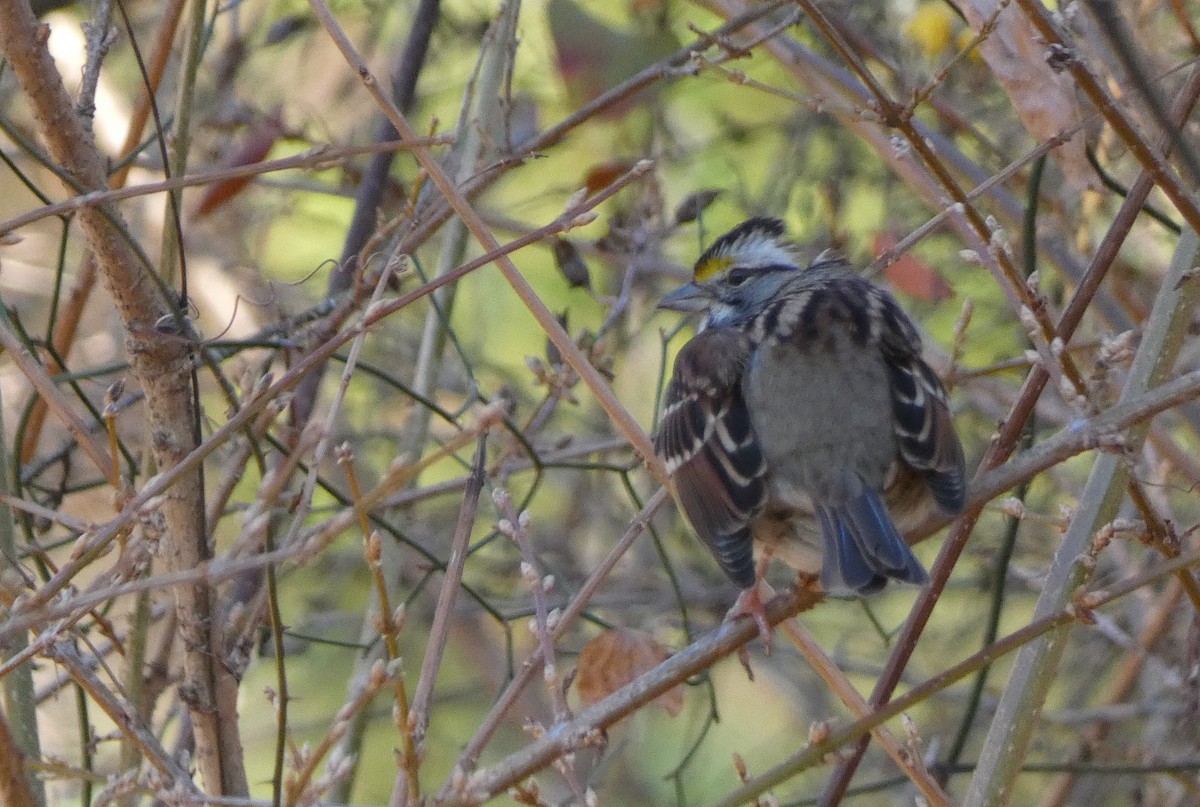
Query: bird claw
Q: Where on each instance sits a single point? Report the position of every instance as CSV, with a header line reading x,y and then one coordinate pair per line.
x,y
751,602
743,655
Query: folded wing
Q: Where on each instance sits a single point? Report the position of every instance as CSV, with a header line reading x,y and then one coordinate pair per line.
x,y
924,431
710,449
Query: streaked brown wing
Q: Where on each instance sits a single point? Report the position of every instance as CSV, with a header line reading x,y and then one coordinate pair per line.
x,y
920,410
708,444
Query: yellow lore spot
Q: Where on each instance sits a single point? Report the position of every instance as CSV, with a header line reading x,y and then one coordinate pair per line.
x,y
711,267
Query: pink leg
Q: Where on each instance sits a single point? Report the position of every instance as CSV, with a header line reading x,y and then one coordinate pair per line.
x,y
752,602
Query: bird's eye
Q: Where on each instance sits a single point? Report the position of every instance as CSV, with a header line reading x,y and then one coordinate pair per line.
x,y
738,276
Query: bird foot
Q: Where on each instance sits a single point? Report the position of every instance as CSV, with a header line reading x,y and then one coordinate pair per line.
x,y
807,582
752,602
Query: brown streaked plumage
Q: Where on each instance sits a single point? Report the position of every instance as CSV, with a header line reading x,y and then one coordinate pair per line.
x,y
801,416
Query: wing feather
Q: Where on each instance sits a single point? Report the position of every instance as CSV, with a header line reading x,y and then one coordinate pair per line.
x,y
921,419
708,444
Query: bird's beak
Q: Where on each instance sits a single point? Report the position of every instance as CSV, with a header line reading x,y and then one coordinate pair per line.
x,y
691,297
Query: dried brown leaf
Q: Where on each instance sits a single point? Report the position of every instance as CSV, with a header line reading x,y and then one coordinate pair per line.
x,y
694,204
571,264
1043,97
617,657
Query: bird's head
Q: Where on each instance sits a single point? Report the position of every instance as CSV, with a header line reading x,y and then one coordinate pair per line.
x,y
740,270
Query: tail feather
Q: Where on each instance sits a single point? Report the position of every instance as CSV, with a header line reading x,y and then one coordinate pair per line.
x,y
843,568
880,542
863,549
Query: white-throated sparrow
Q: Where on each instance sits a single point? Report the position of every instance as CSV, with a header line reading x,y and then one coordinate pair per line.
x,y
802,416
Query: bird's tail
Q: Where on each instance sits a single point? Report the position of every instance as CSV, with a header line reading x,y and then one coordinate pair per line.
x,y
863,549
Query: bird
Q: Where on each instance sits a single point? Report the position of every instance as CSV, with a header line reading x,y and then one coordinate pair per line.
x,y
802,418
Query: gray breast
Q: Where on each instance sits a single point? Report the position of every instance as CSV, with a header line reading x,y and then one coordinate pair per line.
x,y
822,411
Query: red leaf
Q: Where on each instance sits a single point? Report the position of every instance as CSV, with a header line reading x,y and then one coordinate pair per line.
x,y
910,275
601,176
254,149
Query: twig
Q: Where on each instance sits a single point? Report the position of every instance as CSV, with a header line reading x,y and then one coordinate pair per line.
x,y
19,737
504,468
118,711
364,221
375,176
318,157
1016,715
848,695
889,256
175,151
439,630
990,473
160,348
515,526
99,40
943,72
152,77
813,755
327,429
56,400
480,122
470,754
298,785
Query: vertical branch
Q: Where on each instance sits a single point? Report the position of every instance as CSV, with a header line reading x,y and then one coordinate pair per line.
x,y
480,123
516,525
14,785
439,631
21,739
371,189
160,354
181,138
362,225
67,325
1020,706
621,419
